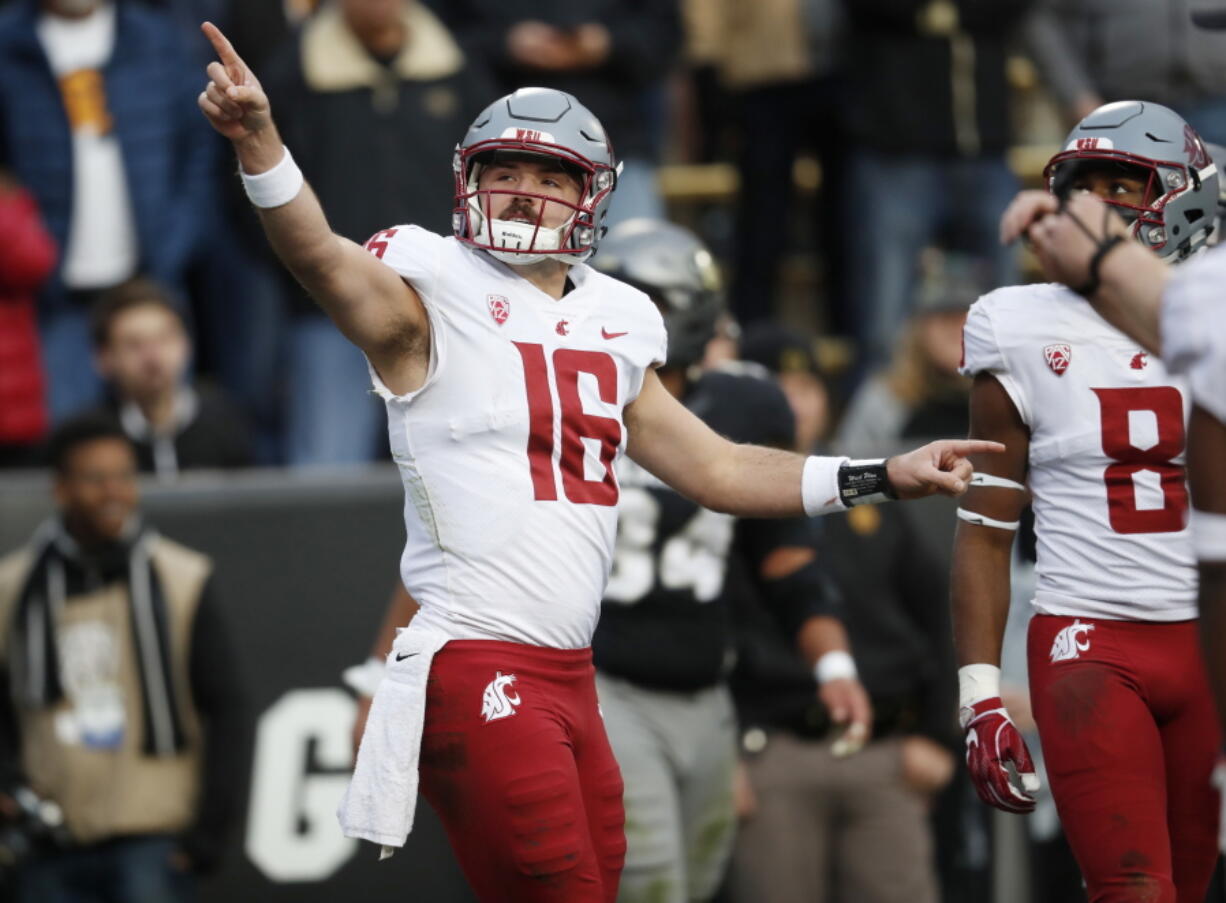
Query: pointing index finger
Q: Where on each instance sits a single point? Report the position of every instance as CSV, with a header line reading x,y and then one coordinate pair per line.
x,y
964,447
225,50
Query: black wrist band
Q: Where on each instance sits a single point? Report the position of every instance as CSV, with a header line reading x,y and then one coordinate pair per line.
x,y
865,483
1096,263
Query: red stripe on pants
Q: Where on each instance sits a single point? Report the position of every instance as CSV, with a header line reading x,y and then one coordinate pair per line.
x,y
1129,736
521,774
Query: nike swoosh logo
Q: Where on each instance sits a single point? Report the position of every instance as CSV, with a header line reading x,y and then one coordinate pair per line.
x,y
605,334
401,656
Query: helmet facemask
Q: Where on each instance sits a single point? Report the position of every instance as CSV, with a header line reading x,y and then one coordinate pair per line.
x,y
503,221
1163,182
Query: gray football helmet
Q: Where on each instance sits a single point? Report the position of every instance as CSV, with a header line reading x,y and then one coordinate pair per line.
x,y
1179,210
1218,154
673,267
535,122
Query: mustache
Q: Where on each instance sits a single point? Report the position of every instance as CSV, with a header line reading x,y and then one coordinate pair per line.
x,y
518,209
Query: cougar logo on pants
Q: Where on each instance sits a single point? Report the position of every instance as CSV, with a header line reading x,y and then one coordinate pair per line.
x,y
1071,642
497,702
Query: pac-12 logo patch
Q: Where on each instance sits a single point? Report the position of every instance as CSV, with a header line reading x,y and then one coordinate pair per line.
x,y
1058,357
498,701
500,308
1071,642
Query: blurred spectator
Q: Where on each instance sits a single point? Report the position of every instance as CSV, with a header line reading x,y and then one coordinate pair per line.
x,y
920,393
119,678
783,63
817,823
788,354
27,256
142,350
99,123
372,98
1092,52
930,114
613,55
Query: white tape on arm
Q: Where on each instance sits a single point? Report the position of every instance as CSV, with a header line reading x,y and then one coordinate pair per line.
x,y
275,187
819,485
1208,535
976,683
982,520
991,480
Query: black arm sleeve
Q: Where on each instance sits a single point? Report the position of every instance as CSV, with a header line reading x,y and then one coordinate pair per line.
x,y
802,594
924,588
218,694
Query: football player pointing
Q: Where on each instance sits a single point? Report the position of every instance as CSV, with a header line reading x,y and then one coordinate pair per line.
x,y
515,377
1095,432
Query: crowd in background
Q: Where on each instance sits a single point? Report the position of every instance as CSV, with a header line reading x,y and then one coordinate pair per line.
x,y
136,287
108,173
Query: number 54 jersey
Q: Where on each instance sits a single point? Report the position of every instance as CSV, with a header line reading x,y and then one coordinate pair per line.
x,y
1107,435
507,451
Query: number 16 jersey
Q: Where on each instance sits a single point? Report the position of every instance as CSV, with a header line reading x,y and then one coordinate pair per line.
x,y
1107,443
507,451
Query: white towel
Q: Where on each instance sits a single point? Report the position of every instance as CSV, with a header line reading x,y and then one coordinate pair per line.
x,y
382,796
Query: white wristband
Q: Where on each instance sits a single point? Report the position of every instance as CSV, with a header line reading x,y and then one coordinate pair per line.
x,y
819,485
976,683
1208,535
275,187
364,679
835,665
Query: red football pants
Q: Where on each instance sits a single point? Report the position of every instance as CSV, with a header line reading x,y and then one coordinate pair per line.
x,y
516,763
1129,737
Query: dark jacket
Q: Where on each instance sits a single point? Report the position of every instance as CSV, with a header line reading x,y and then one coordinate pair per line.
x,y
917,90
646,44
211,434
895,608
375,139
167,146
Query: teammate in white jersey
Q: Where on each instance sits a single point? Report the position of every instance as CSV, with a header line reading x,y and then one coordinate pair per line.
x,y
1095,427
514,377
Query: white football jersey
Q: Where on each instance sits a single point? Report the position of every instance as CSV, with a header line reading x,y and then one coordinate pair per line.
x,y
507,452
1107,436
1194,329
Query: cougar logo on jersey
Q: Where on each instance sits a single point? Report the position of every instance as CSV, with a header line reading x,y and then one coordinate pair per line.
x,y
497,701
500,308
1139,360
1058,357
1071,642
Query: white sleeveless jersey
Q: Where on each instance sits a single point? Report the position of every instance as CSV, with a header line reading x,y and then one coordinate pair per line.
x,y
1194,329
507,452
1107,435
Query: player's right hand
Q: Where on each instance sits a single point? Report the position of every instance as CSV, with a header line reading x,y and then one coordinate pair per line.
x,y
992,743
233,101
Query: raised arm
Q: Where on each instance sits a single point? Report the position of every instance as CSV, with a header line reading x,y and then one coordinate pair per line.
x,y
367,300
753,481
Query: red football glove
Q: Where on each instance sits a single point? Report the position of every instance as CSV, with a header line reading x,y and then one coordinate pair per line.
x,y
991,741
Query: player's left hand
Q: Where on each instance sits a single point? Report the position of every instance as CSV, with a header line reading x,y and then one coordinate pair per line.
x,y
847,702
938,467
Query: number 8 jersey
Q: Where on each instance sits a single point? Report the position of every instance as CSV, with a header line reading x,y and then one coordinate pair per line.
x,y
507,451
1106,466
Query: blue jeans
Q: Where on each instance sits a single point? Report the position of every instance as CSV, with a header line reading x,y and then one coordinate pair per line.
x,y
897,206
68,361
132,870
332,415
